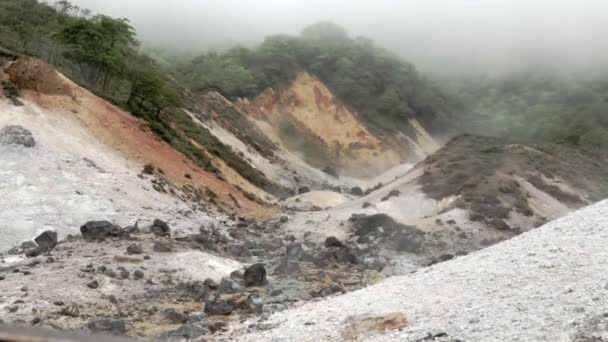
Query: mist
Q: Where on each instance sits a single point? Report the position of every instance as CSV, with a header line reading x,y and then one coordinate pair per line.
x,y
440,36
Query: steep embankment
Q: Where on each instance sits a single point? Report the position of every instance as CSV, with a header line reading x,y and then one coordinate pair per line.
x,y
52,92
306,118
545,285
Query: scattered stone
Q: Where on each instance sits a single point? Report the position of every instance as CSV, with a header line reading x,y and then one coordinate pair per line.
x,y
303,190
218,309
17,136
58,303
124,273
162,247
47,240
359,327
160,228
108,326
135,248
228,285
71,310
138,274
186,332
93,284
173,316
99,230
210,283
332,241
255,275
356,191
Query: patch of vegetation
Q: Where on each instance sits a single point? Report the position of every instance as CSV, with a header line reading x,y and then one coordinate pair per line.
x,y
384,89
101,53
480,169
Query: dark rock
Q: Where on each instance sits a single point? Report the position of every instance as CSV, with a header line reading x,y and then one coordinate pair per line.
x,y
218,308
58,303
124,273
162,247
17,136
255,275
108,326
210,283
332,241
135,249
303,190
173,316
228,285
283,219
330,171
93,284
99,230
71,310
47,240
138,274
34,252
356,191
160,228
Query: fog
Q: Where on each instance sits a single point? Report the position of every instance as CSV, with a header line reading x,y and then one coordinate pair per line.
x,y
437,35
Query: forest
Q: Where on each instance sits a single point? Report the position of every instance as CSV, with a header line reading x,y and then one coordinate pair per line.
x,y
103,54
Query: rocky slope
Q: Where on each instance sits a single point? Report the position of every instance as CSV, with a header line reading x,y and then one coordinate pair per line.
x,y
548,284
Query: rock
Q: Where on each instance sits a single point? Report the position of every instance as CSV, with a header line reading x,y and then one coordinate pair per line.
x,y
124,273
237,275
173,316
356,191
186,332
228,285
71,310
58,303
332,241
218,308
98,230
254,303
34,252
28,244
162,247
108,326
330,171
160,228
47,240
303,190
359,327
138,274
283,219
93,284
210,283
255,275
17,136
135,248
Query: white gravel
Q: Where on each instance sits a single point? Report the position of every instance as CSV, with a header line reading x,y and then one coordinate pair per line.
x,y
533,287
69,178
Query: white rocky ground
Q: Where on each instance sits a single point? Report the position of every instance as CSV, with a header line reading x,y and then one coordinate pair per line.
x,y
69,178
539,286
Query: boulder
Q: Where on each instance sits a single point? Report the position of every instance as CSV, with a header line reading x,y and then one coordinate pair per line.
x,y
356,191
332,241
218,308
173,316
99,230
135,249
255,275
16,136
160,228
47,240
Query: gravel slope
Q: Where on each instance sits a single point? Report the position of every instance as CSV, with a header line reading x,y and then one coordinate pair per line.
x,y
538,286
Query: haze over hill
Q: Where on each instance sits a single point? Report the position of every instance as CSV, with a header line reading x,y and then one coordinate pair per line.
x,y
304,186
447,36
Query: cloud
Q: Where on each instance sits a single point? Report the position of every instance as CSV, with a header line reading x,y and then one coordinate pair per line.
x,y
435,34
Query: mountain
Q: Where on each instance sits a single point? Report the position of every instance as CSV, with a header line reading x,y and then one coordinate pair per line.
x,y
218,197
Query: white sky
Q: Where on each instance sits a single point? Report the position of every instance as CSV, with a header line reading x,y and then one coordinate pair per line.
x,y
441,34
